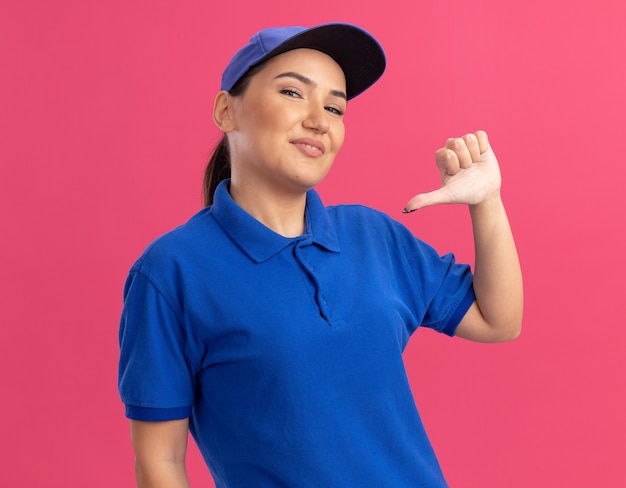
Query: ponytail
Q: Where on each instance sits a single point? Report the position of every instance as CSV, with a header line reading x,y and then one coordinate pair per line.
x,y
217,170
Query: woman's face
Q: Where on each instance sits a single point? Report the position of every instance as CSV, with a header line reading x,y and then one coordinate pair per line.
x,y
287,127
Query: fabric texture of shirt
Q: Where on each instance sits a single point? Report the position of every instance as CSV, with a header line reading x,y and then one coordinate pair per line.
x,y
286,353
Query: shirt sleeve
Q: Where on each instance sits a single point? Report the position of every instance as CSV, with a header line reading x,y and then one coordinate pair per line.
x,y
155,381
439,289
446,288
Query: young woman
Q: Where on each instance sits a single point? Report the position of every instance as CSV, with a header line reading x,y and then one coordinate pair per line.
x,y
272,327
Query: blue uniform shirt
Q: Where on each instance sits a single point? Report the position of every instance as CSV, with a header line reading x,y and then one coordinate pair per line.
x,y
286,353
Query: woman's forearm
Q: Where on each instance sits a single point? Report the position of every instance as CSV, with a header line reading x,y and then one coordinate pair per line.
x,y
497,274
157,474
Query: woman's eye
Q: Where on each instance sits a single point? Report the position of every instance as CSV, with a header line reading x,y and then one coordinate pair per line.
x,y
335,110
290,93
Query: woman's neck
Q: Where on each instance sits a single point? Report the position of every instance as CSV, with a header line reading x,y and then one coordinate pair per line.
x,y
283,212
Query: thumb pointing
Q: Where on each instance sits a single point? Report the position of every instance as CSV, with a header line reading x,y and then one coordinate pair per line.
x,y
427,200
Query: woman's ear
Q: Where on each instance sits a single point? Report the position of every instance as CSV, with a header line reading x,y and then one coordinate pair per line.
x,y
222,112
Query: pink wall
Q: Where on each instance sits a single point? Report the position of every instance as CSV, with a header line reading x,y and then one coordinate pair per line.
x,y
104,131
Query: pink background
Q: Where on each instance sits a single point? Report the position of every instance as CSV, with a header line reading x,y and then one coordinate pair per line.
x,y
105,130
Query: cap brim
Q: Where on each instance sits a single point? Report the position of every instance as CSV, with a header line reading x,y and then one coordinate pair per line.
x,y
359,55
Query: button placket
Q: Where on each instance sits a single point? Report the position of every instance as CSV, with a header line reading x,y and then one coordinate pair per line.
x,y
322,304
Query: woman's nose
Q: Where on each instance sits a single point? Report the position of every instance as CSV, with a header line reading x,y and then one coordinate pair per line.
x,y
317,120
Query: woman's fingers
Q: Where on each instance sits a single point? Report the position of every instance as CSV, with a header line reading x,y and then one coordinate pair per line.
x,y
458,146
462,181
447,161
483,141
473,146
462,151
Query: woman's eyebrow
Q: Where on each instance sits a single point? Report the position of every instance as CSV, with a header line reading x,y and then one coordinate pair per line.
x,y
308,81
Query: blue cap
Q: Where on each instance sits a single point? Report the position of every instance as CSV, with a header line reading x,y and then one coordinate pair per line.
x,y
359,55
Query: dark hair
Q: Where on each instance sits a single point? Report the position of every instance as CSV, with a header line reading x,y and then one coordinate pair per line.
x,y
218,167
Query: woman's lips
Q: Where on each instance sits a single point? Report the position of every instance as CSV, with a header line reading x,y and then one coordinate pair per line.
x,y
310,147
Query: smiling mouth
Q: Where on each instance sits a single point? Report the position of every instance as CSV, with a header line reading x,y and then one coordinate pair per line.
x,y
309,147
313,148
